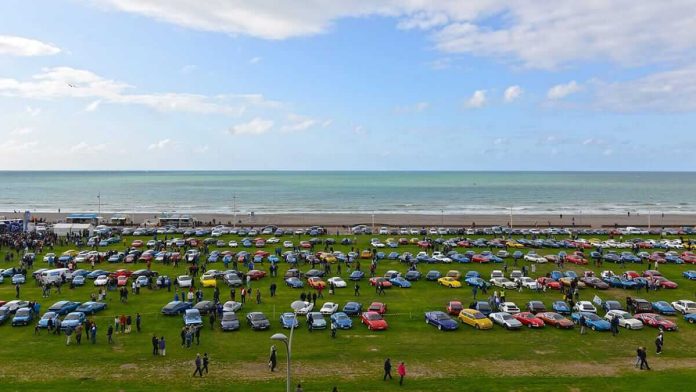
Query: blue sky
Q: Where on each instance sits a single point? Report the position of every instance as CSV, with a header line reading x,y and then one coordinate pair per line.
x,y
354,85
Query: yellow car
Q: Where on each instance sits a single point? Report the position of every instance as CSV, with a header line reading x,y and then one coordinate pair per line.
x,y
565,281
475,318
366,254
208,281
71,253
514,244
328,257
449,281
414,240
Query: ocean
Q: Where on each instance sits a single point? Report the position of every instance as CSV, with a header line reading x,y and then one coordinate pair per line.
x,y
349,192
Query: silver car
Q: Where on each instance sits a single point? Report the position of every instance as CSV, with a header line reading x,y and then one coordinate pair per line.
x,y
505,320
625,319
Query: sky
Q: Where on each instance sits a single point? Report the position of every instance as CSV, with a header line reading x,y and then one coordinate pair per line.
x,y
347,85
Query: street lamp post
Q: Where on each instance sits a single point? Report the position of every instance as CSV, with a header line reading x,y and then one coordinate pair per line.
x,y
373,221
99,205
296,306
234,210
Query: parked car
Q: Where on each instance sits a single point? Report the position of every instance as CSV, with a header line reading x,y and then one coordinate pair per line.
x,y
441,320
91,307
175,307
505,320
656,321
192,317
289,320
63,307
475,319
257,321
342,320
374,321
23,316
626,320
352,308
72,320
555,320
592,321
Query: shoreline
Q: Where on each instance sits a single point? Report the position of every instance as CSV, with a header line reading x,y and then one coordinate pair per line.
x,y
408,220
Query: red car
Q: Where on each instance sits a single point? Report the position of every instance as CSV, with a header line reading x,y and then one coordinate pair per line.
x,y
374,321
576,259
556,320
305,244
550,283
688,257
656,321
454,307
657,256
464,244
529,319
477,258
122,281
316,283
121,272
665,283
261,253
256,274
385,282
424,244
651,273
147,256
137,243
377,307
632,274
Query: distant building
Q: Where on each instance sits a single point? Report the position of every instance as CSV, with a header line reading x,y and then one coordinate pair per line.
x,y
89,218
177,220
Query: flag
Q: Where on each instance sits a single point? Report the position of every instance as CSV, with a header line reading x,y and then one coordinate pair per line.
x,y
597,300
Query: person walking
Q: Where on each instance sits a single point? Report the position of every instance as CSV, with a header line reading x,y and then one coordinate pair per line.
x,y
198,363
643,355
659,342
110,334
357,290
78,334
205,363
387,369
162,346
155,345
582,324
273,361
615,325
17,290
402,372
334,327
68,334
138,321
258,296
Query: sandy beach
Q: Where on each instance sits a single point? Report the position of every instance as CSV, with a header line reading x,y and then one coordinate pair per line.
x,y
409,220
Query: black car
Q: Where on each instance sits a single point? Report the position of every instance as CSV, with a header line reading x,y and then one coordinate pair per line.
x,y
258,321
433,275
232,280
412,275
229,322
313,273
175,307
536,307
144,272
205,307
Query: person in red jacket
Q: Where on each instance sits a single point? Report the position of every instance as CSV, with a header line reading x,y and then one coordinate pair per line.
x,y
402,372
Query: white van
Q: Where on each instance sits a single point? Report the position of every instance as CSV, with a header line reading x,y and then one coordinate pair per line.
x,y
54,275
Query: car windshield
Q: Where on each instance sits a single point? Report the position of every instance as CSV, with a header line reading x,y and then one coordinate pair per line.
x,y
555,316
691,306
72,316
442,316
49,315
456,306
506,317
374,316
23,312
479,315
591,316
258,317
229,316
659,318
171,305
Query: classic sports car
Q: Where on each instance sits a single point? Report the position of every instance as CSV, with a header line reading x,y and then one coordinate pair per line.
x,y
509,307
556,320
175,307
691,274
317,320
338,282
663,307
294,282
380,280
287,320
450,282
454,307
329,308
352,308
64,307
356,275
612,305
475,318
341,320
665,283
690,318
229,321
625,319
594,282
684,306
536,307
316,283
477,281
592,321
91,307
374,321
506,320
529,319
377,307
231,306
585,306
256,274
656,321
257,321
400,282
548,282
441,320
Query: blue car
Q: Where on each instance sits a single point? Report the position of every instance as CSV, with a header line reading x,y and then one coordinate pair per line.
x,y
356,275
483,307
612,305
192,317
18,279
288,319
23,316
691,274
43,321
460,258
478,282
441,320
214,256
556,275
433,275
571,274
615,281
670,258
352,308
97,273
663,307
63,307
412,275
691,318
400,282
294,282
560,307
342,320
72,320
91,307
592,321
393,256
472,274
175,307
78,281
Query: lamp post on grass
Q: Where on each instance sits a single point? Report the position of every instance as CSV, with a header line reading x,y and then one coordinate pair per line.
x,y
296,306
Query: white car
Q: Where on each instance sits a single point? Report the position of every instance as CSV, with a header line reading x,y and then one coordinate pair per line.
x,y
535,258
441,257
684,306
585,306
101,280
607,274
376,243
184,281
625,319
528,282
233,244
506,320
497,274
287,244
504,283
328,308
509,307
216,233
49,256
338,282
231,306
191,254
383,230
308,306
272,240
515,274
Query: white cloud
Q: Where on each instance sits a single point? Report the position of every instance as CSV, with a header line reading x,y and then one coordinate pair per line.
x,y
512,93
477,100
12,145
560,91
528,32
441,63
85,148
20,46
94,105
415,108
257,126
22,131
255,60
160,145
66,82
299,123
32,111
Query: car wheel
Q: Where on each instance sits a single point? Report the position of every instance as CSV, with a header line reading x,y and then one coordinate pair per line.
x,y
477,326
439,327
627,326
507,326
593,328
369,327
426,321
558,326
691,321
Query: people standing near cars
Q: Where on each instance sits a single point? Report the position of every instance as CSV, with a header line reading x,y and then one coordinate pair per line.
x,y
615,325
273,361
582,324
205,363
155,345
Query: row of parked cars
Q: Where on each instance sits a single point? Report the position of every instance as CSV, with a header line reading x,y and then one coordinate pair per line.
x,y
21,313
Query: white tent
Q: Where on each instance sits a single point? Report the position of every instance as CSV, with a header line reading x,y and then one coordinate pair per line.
x,y
63,229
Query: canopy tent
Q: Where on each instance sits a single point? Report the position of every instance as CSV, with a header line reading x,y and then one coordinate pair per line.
x,y
63,229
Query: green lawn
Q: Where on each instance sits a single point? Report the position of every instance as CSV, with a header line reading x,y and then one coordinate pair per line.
x,y
461,360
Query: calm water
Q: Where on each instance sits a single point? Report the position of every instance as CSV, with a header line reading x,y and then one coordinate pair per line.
x,y
344,192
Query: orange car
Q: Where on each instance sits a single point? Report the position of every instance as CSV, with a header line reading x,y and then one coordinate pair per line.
x,y
316,283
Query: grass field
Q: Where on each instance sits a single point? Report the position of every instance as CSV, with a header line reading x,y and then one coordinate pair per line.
x,y
465,359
